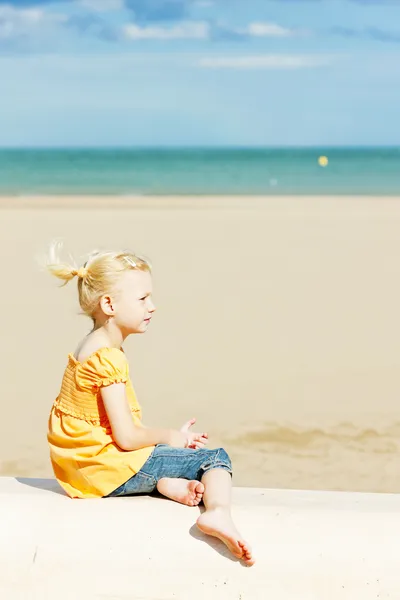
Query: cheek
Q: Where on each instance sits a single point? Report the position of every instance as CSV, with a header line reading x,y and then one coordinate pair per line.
x,y
128,310
136,310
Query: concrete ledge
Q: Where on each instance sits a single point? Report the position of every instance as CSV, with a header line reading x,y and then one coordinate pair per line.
x,y
308,545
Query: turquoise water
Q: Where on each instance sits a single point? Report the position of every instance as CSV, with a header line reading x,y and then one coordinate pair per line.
x,y
200,171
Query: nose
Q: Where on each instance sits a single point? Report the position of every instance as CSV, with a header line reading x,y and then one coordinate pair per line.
x,y
151,306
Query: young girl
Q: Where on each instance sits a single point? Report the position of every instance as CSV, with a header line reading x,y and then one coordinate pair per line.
x,y
99,446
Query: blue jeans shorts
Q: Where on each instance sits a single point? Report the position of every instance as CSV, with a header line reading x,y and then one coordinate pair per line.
x,y
182,463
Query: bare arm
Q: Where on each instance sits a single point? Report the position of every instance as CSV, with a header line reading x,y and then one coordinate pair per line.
x,y
126,434
129,436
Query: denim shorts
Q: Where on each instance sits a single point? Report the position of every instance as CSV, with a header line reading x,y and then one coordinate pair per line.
x,y
166,461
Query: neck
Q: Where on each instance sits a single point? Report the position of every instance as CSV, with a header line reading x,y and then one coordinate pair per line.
x,y
110,332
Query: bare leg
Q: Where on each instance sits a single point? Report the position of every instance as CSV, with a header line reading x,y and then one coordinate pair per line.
x,y
181,490
217,520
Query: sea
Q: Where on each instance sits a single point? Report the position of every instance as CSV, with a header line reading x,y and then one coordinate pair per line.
x,y
201,171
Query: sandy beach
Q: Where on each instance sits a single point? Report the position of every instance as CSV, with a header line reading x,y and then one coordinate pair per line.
x,y
277,327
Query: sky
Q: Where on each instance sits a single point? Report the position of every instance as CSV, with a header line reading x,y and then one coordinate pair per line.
x,y
106,73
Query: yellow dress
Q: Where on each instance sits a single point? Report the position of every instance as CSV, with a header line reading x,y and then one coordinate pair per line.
x,y
86,461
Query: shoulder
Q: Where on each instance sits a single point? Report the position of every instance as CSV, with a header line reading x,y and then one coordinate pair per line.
x,y
89,351
103,366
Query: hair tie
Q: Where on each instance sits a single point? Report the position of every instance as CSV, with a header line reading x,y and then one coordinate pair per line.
x,y
81,272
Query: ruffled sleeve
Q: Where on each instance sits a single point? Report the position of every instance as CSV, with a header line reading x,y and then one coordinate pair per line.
x,y
104,367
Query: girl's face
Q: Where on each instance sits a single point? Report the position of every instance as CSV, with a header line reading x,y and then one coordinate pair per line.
x,y
131,306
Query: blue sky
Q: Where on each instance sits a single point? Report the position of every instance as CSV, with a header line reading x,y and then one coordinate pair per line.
x,y
198,72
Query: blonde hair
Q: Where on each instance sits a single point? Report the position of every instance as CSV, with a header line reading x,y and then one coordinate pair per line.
x,y
97,276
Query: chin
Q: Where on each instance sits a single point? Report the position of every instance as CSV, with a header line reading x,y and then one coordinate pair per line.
x,y
136,329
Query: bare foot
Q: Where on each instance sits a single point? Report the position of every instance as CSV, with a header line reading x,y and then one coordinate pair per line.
x,y
218,523
181,490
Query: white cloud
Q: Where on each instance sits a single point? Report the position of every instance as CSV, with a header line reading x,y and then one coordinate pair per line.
x,y
185,30
267,61
198,30
102,5
267,30
17,22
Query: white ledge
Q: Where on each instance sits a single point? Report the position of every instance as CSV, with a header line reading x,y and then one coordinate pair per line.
x,y
308,546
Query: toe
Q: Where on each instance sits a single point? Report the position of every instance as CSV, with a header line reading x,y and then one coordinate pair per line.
x,y
250,562
237,549
247,555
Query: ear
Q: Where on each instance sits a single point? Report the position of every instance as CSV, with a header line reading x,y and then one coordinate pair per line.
x,y
107,306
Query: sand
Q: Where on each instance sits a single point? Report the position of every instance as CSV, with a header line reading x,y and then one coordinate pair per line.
x,y
277,327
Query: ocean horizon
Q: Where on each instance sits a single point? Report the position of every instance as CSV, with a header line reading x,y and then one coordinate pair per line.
x,y
200,171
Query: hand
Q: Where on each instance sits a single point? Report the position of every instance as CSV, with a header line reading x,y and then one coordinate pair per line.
x,y
194,440
176,439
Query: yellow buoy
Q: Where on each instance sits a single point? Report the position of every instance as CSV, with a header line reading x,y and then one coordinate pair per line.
x,y
323,161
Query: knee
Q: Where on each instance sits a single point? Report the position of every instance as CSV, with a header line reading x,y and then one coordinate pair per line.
x,y
223,458
217,458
